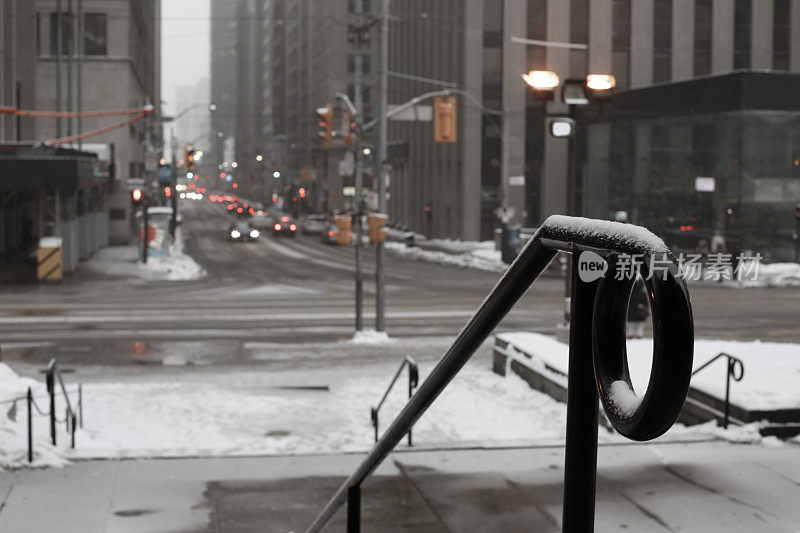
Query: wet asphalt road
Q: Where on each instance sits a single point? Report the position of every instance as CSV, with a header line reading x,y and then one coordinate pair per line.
x,y
300,291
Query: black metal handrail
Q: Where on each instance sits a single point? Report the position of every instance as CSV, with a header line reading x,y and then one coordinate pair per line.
x,y
597,355
413,379
733,364
53,373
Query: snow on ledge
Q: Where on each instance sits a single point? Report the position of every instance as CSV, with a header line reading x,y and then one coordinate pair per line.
x,y
603,233
370,336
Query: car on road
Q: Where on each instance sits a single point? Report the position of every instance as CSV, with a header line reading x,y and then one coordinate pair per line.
x,y
329,235
262,221
242,231
314,225
284,225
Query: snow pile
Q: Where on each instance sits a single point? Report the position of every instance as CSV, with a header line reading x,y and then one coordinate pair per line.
x,y
14,424
174,266
250,415
370,336
774,275
479,259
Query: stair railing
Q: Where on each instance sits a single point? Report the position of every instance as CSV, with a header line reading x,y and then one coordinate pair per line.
x,y
413,379
598,366
735,370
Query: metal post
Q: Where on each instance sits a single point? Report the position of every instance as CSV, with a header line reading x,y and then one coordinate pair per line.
x,y
80,405
354,509
80,71
51,390
383,83
357,167
571,209
70,46
144,229
30,425
727,392
59,51
410,394
72,428
797,236
580,456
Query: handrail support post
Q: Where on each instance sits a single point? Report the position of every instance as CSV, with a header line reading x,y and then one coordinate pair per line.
x,y
580,455
354,509
50,379
30,425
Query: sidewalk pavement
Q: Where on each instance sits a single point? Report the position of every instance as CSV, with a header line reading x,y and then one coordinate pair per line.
x,y
699,486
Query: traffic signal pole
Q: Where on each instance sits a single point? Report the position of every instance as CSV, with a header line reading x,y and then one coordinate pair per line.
x,y
357,168
383,82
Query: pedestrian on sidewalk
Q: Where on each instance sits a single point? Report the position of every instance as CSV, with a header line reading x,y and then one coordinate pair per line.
x,y
638,309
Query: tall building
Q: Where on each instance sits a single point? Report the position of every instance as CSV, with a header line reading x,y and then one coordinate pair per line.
x,y
110,59
196,124
677,64
223,72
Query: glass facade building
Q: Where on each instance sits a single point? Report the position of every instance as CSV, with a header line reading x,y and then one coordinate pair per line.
x,y
699,160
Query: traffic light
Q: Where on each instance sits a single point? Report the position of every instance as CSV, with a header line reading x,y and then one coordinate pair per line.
x,y
444,119
344,223
188,157
167,191
351,130
326,124
301,192
137,195
375,221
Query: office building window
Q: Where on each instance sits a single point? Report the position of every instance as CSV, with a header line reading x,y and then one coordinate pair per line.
x,y
579,33
702,37
95,38
621,42
742,28
780,35
662,40
66,23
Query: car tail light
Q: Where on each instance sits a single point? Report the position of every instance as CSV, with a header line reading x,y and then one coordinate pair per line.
x,y
293,227
252,211
239,210
284,219
331,234
277,227
230,207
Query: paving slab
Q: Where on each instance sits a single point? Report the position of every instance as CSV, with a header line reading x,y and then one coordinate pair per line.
x,y
697,486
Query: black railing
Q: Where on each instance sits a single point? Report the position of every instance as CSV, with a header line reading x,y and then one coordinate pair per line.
x,y
734,363
53,374
413,379
597,355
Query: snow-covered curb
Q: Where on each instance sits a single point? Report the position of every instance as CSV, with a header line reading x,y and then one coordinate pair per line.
x,y
772,275
480,258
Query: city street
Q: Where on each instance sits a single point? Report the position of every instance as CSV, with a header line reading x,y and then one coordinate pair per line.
x,y
298,290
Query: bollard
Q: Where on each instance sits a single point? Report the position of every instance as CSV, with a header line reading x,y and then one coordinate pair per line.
x,y
30,425
80,405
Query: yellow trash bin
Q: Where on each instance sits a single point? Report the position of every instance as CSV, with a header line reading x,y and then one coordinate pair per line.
x,y
48,259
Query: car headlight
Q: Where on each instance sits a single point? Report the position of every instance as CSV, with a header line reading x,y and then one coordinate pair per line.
x,y
254,233
235,234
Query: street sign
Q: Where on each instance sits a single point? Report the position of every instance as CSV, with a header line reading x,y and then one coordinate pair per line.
x,y
516,181
704,184
164,175
347,164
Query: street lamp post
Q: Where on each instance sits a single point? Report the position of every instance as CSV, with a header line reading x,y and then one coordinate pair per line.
x,y
596,89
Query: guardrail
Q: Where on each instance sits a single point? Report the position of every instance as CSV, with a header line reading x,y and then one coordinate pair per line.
x,y
598,368
733,364
413,379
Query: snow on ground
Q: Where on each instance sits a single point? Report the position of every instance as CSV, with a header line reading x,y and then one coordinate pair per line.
x,y
481,257
124,261
773,275
14,424
771,369
370,336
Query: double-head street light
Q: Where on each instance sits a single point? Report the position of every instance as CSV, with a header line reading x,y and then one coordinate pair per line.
x,y
596,89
